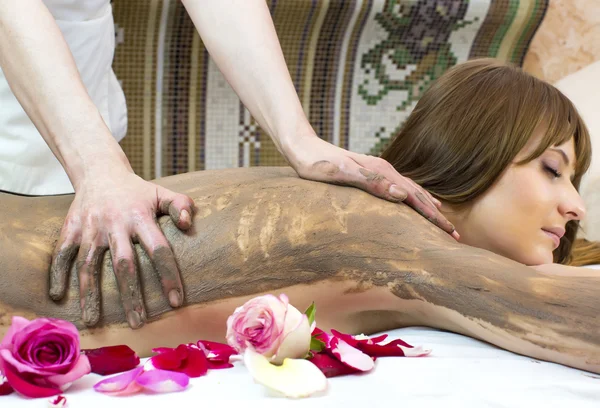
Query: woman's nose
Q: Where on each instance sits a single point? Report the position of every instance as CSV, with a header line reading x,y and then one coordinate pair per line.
x,y
572,206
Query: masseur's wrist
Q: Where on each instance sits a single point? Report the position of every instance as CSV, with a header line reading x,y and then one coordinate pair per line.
x,y
291,141
93,153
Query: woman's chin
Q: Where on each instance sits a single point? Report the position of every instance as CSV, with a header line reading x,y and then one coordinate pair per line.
x,y
536,256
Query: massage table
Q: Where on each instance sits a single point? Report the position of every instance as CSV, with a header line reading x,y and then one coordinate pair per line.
x,y
459,372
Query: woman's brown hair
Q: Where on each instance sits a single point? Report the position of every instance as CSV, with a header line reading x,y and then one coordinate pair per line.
x,y
469,126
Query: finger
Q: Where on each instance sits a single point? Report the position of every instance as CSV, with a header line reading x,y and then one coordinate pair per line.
x,y
89,262
418,201
405,184
179,207
62,258
378,185
121,250
64,253
434,201
157,247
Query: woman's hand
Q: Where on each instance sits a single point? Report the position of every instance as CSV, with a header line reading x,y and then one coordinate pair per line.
x,y
316,159
111,213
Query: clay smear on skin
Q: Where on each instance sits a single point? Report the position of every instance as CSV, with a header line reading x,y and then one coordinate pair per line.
x,y
385,244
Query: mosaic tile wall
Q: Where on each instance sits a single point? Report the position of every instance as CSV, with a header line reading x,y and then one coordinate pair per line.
x,y
359,67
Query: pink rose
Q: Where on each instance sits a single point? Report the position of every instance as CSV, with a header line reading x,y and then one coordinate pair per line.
x,y
271,326
41,358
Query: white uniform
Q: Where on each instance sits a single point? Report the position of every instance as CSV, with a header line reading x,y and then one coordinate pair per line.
x,y
27,165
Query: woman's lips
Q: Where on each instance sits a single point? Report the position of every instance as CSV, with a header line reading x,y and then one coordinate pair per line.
x,y
555,238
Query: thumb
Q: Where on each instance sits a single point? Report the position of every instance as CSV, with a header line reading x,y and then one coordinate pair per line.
x,y
180,207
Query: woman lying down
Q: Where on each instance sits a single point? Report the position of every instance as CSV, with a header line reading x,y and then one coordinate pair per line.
x,y
503,152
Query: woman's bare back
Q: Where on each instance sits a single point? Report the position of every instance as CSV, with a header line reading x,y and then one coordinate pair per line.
x,y
369,264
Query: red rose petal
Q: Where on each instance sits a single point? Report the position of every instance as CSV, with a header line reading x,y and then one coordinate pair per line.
x,y
160,350
372,346
59,401
216,365
218,354
112,360
351,356
184,359
331,366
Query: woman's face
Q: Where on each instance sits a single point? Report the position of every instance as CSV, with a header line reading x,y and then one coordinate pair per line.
x,y
523,215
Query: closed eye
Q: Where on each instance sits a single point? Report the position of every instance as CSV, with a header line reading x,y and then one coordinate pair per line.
x,y
554,172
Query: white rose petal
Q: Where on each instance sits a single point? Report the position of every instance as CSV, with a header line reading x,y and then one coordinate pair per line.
x,y
295,378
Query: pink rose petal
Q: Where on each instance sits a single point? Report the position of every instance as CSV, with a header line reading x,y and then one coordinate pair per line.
x,y
350,355
331,366
27,389
17,324
122,383
81,368
163,381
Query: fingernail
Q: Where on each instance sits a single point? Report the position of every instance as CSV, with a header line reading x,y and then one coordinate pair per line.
x,y
455,235
134,318
86,315
437,202
397,193
175,298
184,218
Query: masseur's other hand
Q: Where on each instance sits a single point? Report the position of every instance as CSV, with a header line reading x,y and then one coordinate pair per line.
x,y
316,159
113,212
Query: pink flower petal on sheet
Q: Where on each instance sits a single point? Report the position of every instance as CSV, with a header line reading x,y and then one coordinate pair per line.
x,y
331,366
163,381
121,384
351,356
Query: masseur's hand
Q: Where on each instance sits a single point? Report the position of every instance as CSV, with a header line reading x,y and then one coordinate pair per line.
x,y
316,159
113,212
249,55
112,206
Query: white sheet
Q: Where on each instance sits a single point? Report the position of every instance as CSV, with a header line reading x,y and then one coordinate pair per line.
x,y
460,372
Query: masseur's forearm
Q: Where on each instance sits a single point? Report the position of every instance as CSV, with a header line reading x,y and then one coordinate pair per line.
x,y
241,39
43,76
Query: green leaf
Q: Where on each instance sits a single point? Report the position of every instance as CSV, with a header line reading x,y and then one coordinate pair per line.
x,y
316,344
311,312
